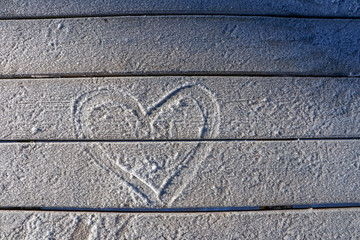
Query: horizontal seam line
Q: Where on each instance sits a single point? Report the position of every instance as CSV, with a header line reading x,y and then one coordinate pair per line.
x,y
188,74
176,13
178,140
188,210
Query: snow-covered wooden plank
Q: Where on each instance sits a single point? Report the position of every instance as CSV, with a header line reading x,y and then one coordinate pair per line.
x,y
179,174
164,45
140,108
301,224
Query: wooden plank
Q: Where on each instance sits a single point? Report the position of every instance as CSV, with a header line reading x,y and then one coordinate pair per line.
x,y
301,224
53,8
141,108
179,174
179,45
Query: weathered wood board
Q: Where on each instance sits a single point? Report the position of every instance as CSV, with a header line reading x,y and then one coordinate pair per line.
x,y
56,8
179,174
301,224
145,45
140,108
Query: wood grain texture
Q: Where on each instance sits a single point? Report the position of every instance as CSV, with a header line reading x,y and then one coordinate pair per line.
x,y
179,174
140,108
303,224
179,45
53,8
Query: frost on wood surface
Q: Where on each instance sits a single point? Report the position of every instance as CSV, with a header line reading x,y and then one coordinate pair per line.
x,y
179,174
179,108
305,224
179,44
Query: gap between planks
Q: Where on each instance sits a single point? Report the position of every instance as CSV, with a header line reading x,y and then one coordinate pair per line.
x,y
183,140
168,74
323,206
294,16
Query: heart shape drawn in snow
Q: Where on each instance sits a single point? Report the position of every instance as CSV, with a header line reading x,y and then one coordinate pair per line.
x,y
155,172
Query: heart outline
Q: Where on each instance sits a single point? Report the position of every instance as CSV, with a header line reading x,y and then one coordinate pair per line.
x,y
211,116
